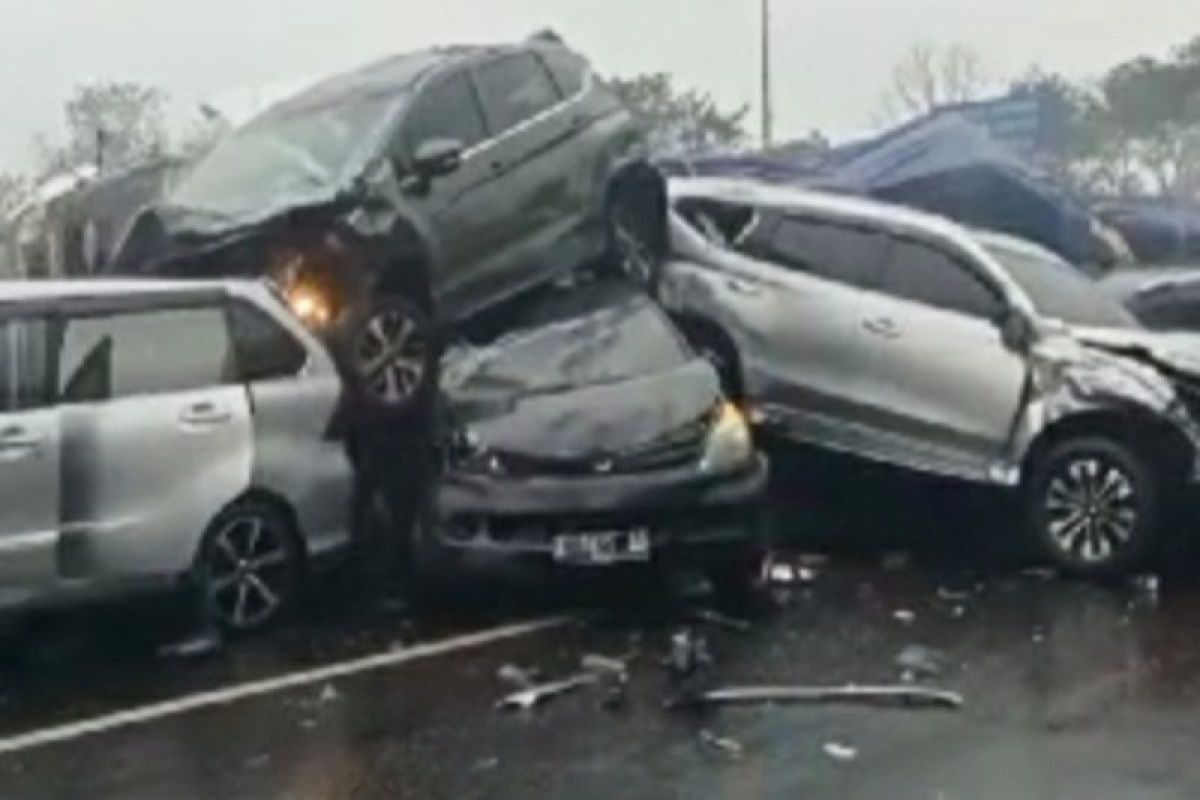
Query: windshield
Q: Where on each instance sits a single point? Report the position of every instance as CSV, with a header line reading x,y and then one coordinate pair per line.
x,y
305,152
1058,291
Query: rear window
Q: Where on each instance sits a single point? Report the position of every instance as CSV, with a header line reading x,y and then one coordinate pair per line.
x,y
265,350
928,275
569,70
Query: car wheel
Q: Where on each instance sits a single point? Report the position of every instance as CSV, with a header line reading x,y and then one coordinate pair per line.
x,y
248,569
391,355
1094,508
630,253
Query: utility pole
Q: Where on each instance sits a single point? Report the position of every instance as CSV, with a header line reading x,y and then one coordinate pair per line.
x,y
766,74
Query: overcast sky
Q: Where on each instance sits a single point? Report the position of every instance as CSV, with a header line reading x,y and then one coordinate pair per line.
x,y
832,57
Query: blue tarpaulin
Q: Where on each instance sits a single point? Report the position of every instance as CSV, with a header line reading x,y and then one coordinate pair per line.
x,y
1157,231
948,166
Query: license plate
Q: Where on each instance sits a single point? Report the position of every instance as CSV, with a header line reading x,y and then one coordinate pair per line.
x,y
603,547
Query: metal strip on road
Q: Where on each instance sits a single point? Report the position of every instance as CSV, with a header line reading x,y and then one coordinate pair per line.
x,y
232,694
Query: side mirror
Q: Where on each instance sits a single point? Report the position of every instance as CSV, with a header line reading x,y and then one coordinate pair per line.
x,y
1016,330
437,157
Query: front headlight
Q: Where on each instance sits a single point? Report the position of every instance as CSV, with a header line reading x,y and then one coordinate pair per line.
x,y
729,444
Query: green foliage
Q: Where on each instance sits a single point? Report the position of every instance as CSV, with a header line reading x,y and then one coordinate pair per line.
x,y
675,120
111,123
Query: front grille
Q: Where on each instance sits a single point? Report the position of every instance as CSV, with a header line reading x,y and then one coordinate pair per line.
x,y
678,449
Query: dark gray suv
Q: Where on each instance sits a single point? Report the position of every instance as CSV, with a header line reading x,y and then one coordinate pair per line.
x,y
419,189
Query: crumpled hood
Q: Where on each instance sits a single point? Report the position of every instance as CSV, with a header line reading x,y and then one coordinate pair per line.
x,y
1176,352
598,421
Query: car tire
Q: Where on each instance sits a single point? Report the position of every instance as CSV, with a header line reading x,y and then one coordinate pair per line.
x,y
629,252
1094,507
248,570
390,352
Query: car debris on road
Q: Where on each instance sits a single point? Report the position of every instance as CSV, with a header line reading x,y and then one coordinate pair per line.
x,y
899,696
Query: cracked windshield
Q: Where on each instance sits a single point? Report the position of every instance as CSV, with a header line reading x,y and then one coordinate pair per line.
x,y
599,399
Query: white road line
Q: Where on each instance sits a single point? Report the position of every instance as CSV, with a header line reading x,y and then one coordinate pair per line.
x,y
232,694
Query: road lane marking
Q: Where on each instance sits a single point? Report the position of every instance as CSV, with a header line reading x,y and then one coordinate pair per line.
x,y
231,694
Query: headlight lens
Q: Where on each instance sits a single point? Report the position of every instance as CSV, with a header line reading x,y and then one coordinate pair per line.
x,y
729,443
309,305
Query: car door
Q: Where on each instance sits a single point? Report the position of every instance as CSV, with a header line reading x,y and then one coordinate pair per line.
x,y
461,208
29,461
529,154
944,387
800,289
156,437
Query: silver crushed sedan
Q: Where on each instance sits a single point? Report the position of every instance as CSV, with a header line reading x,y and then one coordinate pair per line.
x,y
157,431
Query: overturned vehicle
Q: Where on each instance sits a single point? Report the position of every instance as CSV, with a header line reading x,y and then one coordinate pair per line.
x,y
906,339
593,437
415,192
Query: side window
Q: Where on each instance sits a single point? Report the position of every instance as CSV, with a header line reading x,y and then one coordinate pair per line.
x,y
514,88
265,350
569,70
108,356
446,110
24,364
825,250
925,274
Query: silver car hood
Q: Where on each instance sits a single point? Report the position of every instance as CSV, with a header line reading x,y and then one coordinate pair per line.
x,y
1175,352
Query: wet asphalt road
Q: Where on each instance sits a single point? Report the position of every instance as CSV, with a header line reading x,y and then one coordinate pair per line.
x,y
1071,690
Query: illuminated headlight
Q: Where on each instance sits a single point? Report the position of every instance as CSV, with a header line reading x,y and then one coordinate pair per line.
x,y
729,443
309,305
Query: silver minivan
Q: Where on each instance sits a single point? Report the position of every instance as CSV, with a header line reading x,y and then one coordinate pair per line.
x,y
152,431
906,339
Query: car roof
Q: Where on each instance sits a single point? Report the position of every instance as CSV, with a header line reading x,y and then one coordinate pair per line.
x,y
385,76
825,204
17,291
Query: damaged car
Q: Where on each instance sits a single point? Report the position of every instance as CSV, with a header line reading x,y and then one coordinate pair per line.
x,y
1163,298
413,193
155,433
595,437
906,339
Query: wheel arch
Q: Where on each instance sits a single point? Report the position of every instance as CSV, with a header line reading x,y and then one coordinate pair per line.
x,y
1166,449
275,501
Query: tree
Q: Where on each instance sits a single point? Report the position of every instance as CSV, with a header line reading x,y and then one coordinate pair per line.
x,y
13,190
928,77
112,124
680,121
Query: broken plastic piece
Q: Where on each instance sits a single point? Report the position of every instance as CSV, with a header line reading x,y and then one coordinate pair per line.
x,y
329,694
197,646
921,661
840,752
908,696
905,616
712,617
517,677
688,653
536,695
723,744
956,595
615,667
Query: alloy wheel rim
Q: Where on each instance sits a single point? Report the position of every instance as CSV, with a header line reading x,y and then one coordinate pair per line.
x,y
391,356
1091,509
247,573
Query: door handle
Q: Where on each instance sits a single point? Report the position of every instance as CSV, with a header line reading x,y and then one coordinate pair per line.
x,y
743,287
204,414
882,326
16,443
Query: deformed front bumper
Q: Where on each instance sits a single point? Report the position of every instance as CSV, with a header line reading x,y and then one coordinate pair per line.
x,y
679,508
